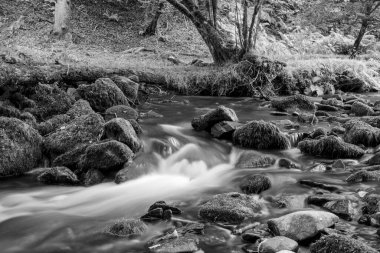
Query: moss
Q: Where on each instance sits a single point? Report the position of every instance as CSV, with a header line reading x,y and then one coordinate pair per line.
x,y
358,132
330,147
260,135
127,228
335,243
297,101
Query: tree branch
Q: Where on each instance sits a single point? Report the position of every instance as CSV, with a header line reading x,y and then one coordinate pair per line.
x,y
181,8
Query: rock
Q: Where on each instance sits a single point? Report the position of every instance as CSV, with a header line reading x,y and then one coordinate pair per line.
x,y
302,225
375,160
73,93
58,175
83,130
323,186
361,109
106,156
121,111
321,199
307,118
278,243
136,126
250,237
371,120
364,176
332,101
328,108
289,201
338,130
317,168
275,113
322,114
71,158
260,135
93,177
255,184
121,130
188,243
20,147
358,132
80,108
286,124
102,95
132,171
206,121
224,129
372,203
286,163
230,207
128,87
164,206
130,228
52,124
293,102
330,147
253,159
342,208
335,243
318,132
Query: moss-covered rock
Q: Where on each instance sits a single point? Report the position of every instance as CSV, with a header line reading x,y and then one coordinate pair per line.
x,y
359,132
278,244
361,109
374,160
335,243
371,120
364,176
93,177
58,175
52,124
206,121
71,158
83,130
253,159
130,228
128,87
293,102
332,101
80,108
102,95
230,207
260,135
255,184
224,129
121,111
20,147
330,147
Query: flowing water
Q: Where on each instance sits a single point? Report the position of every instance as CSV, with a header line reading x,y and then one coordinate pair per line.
x,y
189,169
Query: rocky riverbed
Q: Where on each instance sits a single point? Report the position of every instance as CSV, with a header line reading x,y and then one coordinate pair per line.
x,y
112,172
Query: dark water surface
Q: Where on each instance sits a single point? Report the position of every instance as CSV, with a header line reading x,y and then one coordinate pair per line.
x,y
39,218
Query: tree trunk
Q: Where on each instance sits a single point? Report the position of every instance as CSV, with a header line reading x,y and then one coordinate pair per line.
x,y
152,27
62,13
363,29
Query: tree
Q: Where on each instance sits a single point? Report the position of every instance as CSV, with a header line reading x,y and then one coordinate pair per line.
x,y
151,29
62,13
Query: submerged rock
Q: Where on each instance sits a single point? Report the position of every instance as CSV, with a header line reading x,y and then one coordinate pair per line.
x,y
278,243
358,132
130,228
302,225
361,109
20,147
206,121
260,135
121,130
58,175
335,243
294,102
102,94
330,147
230,207
255,184
224,129
121,111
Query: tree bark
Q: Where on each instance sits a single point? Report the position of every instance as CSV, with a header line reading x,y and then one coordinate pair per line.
x,y
62,14
152,27
363,28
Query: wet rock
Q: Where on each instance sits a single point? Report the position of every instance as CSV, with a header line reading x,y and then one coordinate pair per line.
x,y
322,114
121,130
290,201
337,119
106,156
188,243
136,126
371,203
330,147
358,132
286,124
335,243
165,206
323,186
58,175
160,210
293,102
321,199
252,160
279,113
192,228
361,109
364,176
83,130
318,132
224,129
371,120
52,124
121,111
332,101
20,147
374,160
206,121
71,158
93,177
317,168
130,228
338,130
250,237
278,243
342,208
302,225
230,207
328,108
286,163
80,108
255,184
102,95
307,118
140,166
260,135
128,87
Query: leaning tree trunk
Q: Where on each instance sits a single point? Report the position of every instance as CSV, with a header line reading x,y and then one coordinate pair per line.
x,y
62,13
152,27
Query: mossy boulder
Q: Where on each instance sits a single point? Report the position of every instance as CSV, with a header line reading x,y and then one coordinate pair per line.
x,y
80,108
102,94
359,132
93,177
20,147
294,102
330,147
230,207
371,120
121,111
206,121
335,243
360,109
255,184
58,175
260,135
83,130
130,228
71,158
364,176
128,87
253,159
278,244
52,124
224,129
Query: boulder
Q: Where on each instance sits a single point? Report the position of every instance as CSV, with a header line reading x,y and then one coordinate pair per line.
x,y
130,228
253,159
361,109
327,108
318,133
224,129
58,175
20,147
132,171
121,130
52,124
358,132
332,101
106,156
371,120
121,111
321,199
93,177
83,130
206,121
255,184
338,130
330,147
302,225
71,158
188,243
230,207
335,243
276,244
308,118
293,102
364,176
128,87
374,160
80,108
260,135
136,126
342,208
102,95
